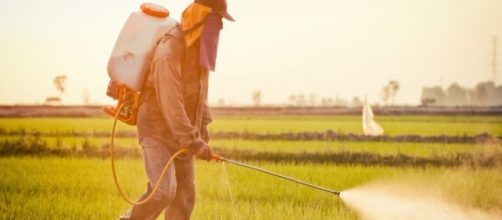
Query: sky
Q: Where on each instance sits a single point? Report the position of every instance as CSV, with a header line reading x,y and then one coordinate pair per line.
x,y
325,47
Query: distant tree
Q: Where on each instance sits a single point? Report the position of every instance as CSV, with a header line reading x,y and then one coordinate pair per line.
x,y
301,101
484,94
292,100
60,83
472,98
456,95
389,92
488,93
433,96
316,100
221,102
313,99
297,100
492,92
325,102
256,96
356,102
341,102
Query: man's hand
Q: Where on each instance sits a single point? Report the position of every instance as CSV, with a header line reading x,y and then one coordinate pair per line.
x,y
201,149
205,153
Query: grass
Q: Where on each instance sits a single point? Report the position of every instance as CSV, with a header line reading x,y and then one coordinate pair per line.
x,y
61,124
380,148
393,125
64,188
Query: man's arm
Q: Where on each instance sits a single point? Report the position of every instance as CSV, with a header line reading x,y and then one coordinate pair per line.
x,y
206,120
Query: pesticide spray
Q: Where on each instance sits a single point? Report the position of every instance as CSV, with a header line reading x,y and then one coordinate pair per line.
x,y
396,200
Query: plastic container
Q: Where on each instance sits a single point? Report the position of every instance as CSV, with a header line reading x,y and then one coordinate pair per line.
x,y
131,56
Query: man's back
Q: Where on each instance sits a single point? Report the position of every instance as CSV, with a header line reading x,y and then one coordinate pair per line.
x,y
162,115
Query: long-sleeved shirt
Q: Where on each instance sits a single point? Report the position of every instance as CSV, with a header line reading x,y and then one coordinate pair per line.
x,y
174,111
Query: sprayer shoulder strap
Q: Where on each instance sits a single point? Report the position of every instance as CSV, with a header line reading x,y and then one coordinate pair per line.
x,y
173,34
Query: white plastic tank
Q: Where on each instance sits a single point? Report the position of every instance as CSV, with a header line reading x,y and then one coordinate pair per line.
x,y
131,56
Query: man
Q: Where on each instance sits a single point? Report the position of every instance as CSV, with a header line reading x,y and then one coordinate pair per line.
x,y
174,113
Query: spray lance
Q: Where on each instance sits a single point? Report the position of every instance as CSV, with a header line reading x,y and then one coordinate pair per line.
x,y
219,158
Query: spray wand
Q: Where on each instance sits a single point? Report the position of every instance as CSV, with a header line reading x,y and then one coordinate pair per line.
x,y
219,158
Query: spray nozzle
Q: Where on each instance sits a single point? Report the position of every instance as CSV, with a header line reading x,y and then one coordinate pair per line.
x,y
217,158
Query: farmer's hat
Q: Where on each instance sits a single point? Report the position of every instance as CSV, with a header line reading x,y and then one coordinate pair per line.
x,y
218,6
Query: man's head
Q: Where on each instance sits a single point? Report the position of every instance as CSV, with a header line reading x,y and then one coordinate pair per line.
x,y
218,6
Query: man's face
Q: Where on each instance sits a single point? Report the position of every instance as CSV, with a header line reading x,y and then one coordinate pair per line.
x,y
209,40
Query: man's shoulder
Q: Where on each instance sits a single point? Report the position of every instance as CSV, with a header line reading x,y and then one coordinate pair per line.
x,y
174,34
171,44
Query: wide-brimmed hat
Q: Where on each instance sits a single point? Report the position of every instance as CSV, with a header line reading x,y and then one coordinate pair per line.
x,y
219,6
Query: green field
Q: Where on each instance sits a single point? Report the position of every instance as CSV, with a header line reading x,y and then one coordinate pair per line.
x,y
393,125
76,187
62,188
296,147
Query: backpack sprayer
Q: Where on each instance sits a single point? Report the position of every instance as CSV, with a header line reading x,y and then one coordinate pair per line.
x,y
128,67
131,57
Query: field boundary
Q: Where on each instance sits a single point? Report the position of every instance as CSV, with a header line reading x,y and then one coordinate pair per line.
x,y
328,135
35,146
96,111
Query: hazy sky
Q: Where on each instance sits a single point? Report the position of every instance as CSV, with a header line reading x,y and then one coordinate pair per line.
x,y
326,47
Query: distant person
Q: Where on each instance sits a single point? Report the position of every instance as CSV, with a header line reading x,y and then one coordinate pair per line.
x,y
174,113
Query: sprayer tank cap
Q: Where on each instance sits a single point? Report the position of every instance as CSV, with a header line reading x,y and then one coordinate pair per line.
x,y
154,10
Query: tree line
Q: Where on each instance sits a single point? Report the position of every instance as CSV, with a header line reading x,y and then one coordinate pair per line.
x,y
483,94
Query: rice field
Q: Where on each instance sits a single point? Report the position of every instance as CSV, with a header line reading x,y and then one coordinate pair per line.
x,y
81,187
76,188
